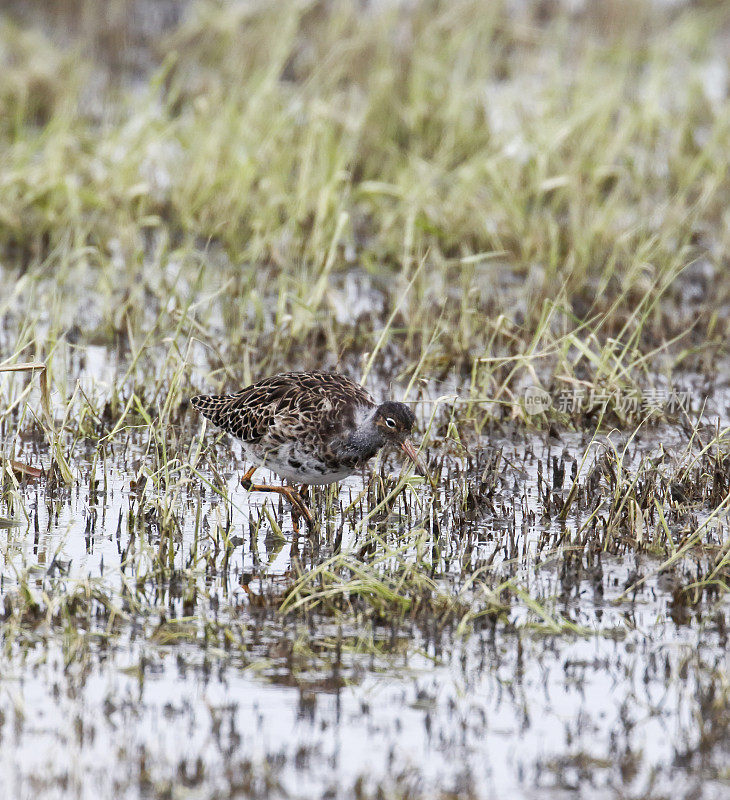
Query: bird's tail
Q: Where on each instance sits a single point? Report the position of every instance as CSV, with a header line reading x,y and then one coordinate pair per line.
x,y
211,406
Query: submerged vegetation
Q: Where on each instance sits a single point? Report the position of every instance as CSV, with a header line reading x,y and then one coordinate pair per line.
x,y
514,216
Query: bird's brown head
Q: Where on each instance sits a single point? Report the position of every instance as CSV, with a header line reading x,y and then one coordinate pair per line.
x,y
395,421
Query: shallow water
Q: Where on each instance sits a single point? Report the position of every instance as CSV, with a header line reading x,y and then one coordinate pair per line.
x,y
197,686
494,718
152,704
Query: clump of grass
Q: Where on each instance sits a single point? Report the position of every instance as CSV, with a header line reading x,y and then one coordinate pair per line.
x,y
59,462
385,582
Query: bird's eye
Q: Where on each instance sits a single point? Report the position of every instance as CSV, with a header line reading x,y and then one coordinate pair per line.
x,y
390,422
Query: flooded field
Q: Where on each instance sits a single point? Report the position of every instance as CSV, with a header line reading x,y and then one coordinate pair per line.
x,y
511,216
453,647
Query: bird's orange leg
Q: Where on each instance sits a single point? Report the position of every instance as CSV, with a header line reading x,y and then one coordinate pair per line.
x,y
291,495
304,497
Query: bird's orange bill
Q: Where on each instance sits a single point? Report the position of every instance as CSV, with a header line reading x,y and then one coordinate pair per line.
x,y
410,451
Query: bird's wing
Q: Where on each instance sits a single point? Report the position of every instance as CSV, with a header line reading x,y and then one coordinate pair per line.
x,y
290,401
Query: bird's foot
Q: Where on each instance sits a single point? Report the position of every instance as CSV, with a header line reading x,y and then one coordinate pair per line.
x,y
246,481
291,495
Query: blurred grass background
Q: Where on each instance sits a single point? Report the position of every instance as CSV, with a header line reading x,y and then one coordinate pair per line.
x,y
542,185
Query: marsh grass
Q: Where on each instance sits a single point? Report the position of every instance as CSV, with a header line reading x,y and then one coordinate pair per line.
x,y
452,202
529,208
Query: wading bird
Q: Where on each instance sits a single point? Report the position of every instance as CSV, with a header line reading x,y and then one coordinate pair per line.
x,y
309,428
